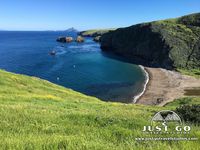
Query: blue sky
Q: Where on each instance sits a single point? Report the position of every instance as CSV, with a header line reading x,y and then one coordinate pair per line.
x,y
88,14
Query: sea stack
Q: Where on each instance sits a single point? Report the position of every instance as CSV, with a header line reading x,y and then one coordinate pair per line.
x,y
79,39
67,39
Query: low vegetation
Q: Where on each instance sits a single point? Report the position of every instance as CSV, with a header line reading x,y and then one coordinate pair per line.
x,y
36,114
190,72
95,32
184,101
189,113
171,43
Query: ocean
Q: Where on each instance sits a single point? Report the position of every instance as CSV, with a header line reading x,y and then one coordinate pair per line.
x,y
82,67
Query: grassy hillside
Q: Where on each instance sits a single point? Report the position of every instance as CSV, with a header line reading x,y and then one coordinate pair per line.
x,y
36,114
171,43
184,101
95,32
190,72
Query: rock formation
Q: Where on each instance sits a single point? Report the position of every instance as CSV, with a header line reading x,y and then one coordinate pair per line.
x,y
64,39
172,43
79,39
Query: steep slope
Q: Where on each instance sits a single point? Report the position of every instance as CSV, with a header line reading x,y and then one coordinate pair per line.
x,y
172,43
36,114
95,32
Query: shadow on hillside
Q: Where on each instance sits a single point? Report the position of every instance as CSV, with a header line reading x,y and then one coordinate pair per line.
x,y
134,60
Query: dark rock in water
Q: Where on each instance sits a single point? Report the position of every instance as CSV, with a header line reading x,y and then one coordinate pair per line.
x,y
64,39
172,43
61,39
79,39
53,53
97,38
69,39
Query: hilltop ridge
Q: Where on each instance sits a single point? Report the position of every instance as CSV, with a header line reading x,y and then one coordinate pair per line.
x,y
170,43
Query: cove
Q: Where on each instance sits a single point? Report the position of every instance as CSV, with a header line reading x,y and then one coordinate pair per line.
x,y
82,67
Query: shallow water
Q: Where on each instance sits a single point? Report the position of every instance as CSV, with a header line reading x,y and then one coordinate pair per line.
x,y
79,66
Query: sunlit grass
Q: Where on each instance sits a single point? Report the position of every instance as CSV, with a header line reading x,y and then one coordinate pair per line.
x,y
36,114
191,72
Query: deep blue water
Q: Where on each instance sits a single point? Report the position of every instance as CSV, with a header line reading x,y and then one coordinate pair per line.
x,y
79,66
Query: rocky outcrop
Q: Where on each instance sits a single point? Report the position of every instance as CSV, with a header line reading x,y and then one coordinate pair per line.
x,y
64,39
172,43
68,39
97,38
95,33
79,39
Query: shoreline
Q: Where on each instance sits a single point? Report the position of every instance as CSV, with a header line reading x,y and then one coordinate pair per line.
x,y
135,99
165,86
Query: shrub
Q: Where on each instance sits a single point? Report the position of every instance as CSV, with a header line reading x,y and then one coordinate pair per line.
x,y
189,113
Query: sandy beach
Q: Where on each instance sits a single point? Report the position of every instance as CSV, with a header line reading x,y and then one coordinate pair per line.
x,y
165,86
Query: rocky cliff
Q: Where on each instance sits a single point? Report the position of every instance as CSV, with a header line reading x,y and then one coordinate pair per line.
x,y
172,43
95,33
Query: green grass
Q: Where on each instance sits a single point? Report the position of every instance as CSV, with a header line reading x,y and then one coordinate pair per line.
x,y
184,101
36,114
190,72
96,31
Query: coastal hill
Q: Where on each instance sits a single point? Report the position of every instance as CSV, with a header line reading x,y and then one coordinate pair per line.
x,y
95,32
171,43
36,114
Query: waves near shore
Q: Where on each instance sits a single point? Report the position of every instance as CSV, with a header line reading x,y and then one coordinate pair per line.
x,y
145,84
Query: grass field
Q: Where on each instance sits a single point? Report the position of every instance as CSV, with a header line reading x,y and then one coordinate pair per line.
x,y
36,114
96,32
191,72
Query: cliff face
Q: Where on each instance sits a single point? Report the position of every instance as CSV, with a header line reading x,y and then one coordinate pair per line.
x,y
95,33
172,43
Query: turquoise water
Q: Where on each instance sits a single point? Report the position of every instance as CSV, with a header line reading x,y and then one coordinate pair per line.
x,y
80,66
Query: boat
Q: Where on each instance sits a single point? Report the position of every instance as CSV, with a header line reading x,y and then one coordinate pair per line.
x,y
52,53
